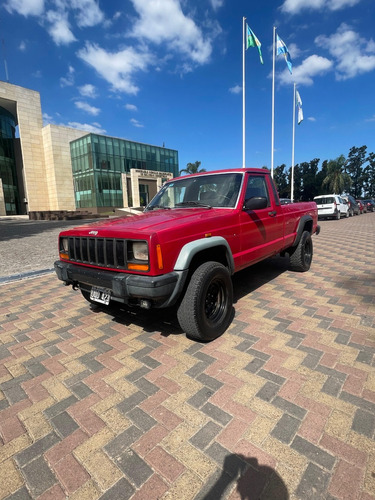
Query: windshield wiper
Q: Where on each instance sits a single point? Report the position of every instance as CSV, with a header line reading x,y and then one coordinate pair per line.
x,y
158,206
192,204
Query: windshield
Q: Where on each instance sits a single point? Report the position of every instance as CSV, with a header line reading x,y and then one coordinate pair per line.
x,y
216,190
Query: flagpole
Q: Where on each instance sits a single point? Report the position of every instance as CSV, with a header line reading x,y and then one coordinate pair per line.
x,y
243,94
273,100
294,133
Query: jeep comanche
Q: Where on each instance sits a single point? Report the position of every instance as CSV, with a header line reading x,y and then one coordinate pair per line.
x,y
183,249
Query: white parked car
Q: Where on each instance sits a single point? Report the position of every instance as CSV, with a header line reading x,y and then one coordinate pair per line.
x,y
331,205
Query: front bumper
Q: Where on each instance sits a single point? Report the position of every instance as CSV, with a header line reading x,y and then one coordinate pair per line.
x,y
160,291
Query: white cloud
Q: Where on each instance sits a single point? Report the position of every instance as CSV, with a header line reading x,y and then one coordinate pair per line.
x,y
296,6
68,80
303,74
136,123
236,89
311,119
95,128
372,119
354,55
340,4
22,46
84,106
118,67
88,90
216,4
294,51
25,7
164,22
89,13
59,27
131,107
47,119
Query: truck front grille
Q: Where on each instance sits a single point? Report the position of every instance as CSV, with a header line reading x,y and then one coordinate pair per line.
x,y
102,252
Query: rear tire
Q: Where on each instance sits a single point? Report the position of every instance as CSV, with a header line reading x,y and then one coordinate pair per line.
x,y
338,215
301,257
206,309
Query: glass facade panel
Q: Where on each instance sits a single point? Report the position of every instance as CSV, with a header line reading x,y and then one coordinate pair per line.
x,y
98,162
8,171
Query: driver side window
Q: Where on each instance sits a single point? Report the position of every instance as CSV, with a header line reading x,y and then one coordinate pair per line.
x,y
256,186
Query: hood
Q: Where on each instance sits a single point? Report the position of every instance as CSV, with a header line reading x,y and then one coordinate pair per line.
x,y
147,222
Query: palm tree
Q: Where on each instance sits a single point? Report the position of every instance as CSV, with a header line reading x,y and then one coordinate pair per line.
x,y
336,178
192,168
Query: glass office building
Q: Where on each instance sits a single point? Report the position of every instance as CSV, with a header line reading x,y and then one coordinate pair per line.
x,y
8,172
98,162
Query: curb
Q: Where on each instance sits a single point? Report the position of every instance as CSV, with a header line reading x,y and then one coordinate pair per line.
x,y
22,276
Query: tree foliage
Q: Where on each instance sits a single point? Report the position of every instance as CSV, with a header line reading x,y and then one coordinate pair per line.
x,y
353,175
336,178
192,168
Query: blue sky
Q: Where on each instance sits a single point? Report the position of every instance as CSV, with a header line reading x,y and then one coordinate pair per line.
x,y
170,71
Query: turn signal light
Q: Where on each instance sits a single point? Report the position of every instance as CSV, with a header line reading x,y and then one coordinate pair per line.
x,y
159,257
138,267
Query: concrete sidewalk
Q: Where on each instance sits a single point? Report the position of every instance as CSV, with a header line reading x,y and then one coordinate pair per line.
x,y
121,405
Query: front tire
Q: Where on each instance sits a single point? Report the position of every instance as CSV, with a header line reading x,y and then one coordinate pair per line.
x,y
206,309
301,257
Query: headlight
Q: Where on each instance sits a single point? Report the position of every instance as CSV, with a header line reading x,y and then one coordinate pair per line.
x,y
139,250
64,244
138,256
64,248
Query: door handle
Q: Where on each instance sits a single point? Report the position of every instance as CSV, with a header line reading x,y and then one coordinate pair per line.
x,y
272,214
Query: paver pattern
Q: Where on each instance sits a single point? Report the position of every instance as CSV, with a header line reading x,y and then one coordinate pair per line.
x,y
121,405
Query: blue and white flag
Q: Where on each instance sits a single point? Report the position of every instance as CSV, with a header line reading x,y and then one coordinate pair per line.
x,y
283,49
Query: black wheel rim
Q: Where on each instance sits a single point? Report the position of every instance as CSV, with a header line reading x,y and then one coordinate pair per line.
x,y
215,301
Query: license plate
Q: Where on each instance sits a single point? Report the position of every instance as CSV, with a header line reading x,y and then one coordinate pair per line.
x,y
101,295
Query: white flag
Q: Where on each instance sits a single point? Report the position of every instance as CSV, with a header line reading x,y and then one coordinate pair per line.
x,y
299,100
299,105
300,115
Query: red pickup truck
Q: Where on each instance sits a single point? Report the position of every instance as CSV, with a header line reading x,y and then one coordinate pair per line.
x,y
197,231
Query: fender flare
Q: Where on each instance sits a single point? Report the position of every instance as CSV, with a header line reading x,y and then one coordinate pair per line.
x,y
191,249
301,227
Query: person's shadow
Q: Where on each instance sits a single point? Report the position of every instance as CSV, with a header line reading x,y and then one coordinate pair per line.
x,y
254,481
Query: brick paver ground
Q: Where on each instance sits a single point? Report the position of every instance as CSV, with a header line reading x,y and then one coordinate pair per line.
x,y
121,405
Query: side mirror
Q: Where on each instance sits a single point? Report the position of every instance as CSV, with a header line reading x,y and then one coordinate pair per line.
x,y
256,203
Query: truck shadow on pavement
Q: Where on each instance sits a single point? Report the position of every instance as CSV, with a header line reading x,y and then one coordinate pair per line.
x,y
250,279
165,320
253,481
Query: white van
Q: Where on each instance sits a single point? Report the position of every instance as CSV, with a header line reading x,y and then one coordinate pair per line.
x,y
331,205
